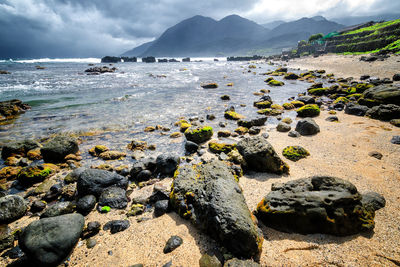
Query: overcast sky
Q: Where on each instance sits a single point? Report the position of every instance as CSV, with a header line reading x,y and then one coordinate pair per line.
x,y
93,28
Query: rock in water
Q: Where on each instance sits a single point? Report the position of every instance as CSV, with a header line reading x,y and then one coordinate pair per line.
x,y
261,156
210,197
59,147
49,241
94,181
12,207
18,148
318,204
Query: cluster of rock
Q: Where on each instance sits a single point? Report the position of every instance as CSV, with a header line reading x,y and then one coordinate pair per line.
x,y
100,70
11,109
109,59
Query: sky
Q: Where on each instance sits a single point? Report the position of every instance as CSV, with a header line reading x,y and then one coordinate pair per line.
x,y
94,28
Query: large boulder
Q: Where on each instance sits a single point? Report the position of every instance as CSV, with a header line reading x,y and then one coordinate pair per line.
x,y
382,94
354,109
48,241
94,181
318,204
12,207
384,112
166,164
209,196
57,148
18,148
307,126
260,155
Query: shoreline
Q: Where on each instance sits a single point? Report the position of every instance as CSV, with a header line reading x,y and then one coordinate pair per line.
x,y
340,149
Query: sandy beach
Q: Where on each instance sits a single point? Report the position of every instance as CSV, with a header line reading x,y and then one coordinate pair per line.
x,y
348,65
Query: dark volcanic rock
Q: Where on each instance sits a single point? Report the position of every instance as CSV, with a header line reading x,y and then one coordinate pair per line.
x,y
307,126
18,148
49,241
384,112
332,118
382,94
161,207
166,164
191,147
260,155
114,197
86,204
94,181
210,197
59,147
173,243
376,200
317,204
354,109
395,140
12,207
254,122
116,226
58,209
144,175
306,100
11,108
396,77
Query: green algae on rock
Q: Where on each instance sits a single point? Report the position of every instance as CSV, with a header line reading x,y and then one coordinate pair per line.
x,y
275,83
310,110
204,189
232,115
218,148
295,153
199,134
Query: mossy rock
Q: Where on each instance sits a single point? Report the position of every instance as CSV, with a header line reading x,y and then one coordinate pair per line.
x,y
270,112
351,90
275,83
9,173
320,71
295,153
242,130
356,96
252,66
199,134
262,104
287,120
311,110
291,76
136,209
288,106
361,87
97,150
33,174
341,99
297,104
175,135
382,94
319,91
210,86
395,122
232,115
276,106
268,79
184,126
218,148
281,69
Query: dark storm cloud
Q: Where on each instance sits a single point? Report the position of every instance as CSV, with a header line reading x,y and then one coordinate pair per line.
x,y
84,28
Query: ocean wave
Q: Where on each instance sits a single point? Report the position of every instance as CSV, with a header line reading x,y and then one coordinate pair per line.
x,y
55,60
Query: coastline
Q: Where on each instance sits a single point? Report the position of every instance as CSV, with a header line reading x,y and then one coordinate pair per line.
x,y
340,149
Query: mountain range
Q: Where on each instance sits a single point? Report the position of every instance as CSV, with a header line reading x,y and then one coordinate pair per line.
x,y
232,35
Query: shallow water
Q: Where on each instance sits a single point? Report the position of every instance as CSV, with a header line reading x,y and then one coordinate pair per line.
x,y
121,104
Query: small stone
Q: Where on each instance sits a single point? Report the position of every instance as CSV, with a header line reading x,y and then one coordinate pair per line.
x,y
38,206
294,134
149,129
136,209
395,140
116,226
307,126
225,97
86,204
191,147
90,243
161,207
254,130
283,127
375,154
172,243
332,118
209,261
265,135
210,117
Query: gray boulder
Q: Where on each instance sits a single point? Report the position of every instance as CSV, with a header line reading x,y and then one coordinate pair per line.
x,y
384,112
306,99
260,155
283,127
58,209
307,126
94,181
114,197
209,196
382,94
49,241
57,148
12,207
254,122
86,204
166,164
354,109
318,204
